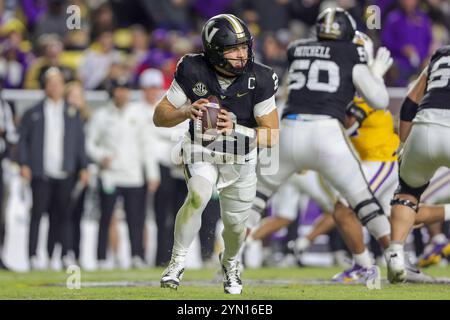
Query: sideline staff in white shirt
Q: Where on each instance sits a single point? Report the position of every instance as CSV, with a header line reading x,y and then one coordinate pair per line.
x,y
120,141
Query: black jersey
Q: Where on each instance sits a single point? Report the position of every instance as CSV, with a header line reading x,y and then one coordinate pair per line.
x,y
198,80
437,93
320,76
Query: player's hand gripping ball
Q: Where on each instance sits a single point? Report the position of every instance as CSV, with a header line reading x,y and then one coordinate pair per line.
x,y
210,115
211,119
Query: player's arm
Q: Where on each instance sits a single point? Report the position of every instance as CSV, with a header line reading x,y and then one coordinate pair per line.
x,y
267,132
266,112
411,104
167,115
368,80
354,117
175,108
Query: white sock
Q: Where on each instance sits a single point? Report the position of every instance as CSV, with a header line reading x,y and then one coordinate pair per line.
x,y
396,247
447,212
363,259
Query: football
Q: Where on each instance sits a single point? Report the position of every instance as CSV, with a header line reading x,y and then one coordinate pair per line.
x,y
209,118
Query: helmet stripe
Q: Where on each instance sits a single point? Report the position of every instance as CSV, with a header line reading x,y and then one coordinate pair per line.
x,y
352,21
235,24
329,20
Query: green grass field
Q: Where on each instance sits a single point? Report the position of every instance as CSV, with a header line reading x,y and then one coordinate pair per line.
x,y
267,283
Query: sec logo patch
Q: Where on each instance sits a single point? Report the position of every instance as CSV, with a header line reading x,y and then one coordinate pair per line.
x,y
200,89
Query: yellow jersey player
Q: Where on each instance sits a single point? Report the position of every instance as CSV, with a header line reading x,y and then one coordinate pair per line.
x,y
376,143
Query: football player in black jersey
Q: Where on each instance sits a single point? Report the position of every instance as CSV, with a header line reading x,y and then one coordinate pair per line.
x,y
425,125
324,74
246,90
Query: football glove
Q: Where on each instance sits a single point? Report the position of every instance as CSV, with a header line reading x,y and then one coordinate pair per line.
x,y
382,62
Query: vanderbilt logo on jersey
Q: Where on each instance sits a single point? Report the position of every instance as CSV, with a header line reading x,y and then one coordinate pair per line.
x,y
200,89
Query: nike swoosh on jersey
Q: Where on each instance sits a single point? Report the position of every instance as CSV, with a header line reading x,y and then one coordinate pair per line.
x,y
241,94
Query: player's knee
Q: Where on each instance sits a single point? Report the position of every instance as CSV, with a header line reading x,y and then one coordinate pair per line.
x,y
195,200
235,220
341,212
234,227
200,191
368,209
372,216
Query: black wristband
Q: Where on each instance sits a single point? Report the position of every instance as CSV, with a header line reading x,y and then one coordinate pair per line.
x,y
354,111
408,110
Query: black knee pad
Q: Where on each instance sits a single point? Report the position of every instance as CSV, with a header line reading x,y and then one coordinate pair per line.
x,y
403,187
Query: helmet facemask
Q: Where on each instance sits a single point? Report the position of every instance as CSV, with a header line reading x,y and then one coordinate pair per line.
x,y
245,62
